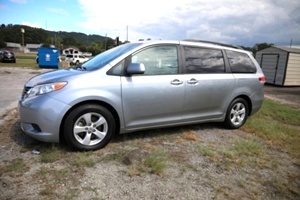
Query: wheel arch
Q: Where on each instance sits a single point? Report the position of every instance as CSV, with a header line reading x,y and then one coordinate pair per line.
x,y
102,103
248,100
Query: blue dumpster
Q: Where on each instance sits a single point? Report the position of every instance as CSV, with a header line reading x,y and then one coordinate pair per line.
x,y
48,57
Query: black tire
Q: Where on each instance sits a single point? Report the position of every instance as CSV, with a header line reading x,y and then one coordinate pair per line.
x,y
95,127
77,62
237,113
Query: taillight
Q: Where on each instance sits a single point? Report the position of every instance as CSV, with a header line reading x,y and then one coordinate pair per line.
x,y
262,79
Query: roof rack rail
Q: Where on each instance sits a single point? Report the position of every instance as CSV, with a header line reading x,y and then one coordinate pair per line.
x,y
216,43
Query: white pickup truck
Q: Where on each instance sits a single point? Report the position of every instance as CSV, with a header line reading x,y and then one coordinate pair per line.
x,y
75,59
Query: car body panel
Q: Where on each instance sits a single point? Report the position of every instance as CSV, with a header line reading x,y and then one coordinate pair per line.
x,y
34,112
151,100
139,101
207,96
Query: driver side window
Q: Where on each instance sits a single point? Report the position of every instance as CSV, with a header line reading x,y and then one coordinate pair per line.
x,y
158,60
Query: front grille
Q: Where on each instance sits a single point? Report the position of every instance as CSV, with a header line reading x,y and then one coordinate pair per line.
x,y
25,90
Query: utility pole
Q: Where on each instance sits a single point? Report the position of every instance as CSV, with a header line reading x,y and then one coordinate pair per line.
x,y
23,31
127,33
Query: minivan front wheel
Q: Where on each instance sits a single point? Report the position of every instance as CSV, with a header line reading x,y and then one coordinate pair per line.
x,y
237,113
89,127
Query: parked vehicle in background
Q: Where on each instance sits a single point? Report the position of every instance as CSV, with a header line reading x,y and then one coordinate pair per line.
x,y
87,54
76,59
7,56
143,85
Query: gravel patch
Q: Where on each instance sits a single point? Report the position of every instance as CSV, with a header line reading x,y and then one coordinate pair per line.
x,y
119,172
193,162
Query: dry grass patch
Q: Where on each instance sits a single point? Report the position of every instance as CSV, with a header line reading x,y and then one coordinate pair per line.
x,y
189,135
9,118
14,167
82,160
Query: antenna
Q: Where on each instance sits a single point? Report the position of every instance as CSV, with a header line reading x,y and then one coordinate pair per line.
x,y
291,43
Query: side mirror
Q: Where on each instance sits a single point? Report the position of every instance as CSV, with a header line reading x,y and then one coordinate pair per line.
x,y
136,68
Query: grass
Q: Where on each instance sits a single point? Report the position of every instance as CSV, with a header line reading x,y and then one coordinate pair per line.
x,y
47,192
23,60
27,60
138,162
156,162
241,153
275,129
15,166
25,55
208,152
247,147
52,154
279,127
82,159
28,63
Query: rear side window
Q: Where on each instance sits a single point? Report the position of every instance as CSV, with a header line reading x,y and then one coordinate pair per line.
x,y
200,60
240,62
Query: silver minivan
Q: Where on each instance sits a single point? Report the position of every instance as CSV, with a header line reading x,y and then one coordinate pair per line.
x,y
142,85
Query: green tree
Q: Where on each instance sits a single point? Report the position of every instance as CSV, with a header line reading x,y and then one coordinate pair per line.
x,y
69,41
82,48
261,46
2,42
96,48
46,45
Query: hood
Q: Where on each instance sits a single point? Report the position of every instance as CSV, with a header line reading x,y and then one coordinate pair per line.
x,y
52,76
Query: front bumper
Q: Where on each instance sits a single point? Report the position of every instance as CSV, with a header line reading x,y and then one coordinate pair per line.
x,y
41,117
8,59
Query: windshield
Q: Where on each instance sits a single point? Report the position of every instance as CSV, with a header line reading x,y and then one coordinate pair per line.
x,y
107,56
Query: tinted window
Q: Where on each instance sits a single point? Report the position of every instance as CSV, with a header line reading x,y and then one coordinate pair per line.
x,y
200,60
240,62
158,60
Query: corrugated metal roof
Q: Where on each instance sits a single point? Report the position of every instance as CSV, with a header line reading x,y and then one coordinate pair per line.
x,y
33,46
11,44
289,49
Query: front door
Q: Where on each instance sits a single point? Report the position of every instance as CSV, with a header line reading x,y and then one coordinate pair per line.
x,y
156,97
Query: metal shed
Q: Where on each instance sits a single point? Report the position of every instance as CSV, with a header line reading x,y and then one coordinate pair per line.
x,y
281,65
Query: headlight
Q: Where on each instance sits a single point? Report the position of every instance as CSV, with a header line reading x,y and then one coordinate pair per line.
x,y
45,88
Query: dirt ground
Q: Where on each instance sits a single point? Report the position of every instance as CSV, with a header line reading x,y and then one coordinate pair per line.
x,y
200,161
285,95
12,81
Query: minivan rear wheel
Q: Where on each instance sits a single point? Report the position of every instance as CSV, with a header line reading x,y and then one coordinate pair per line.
x,y
237,114
89,127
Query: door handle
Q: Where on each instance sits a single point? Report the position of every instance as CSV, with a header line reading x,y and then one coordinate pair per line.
x,y
192,81
176,82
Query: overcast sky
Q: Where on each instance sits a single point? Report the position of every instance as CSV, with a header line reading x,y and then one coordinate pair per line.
x,y
239,22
